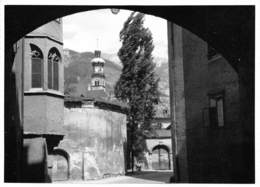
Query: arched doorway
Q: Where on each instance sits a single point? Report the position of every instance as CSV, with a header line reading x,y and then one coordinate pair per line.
x,y
160,158
60,168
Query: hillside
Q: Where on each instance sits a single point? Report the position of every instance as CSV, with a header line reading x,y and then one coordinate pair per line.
x,y
78,70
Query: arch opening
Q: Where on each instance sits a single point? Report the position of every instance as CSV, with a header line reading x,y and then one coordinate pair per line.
x,y
161,158
60,169
233,54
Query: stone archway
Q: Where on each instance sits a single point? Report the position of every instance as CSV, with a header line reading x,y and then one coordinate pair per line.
x,y
161,158
60,165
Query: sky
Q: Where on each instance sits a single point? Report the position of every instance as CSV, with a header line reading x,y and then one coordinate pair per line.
x,y
90,30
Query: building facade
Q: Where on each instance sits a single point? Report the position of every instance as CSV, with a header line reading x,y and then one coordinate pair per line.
x,y
43,79
41,53
206,111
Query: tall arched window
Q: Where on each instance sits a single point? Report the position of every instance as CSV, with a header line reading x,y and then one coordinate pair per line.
x,y
54,58
37,66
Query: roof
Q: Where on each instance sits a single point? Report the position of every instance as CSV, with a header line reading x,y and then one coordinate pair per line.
x,y
159,133
96,94
112,105
97,60
161,119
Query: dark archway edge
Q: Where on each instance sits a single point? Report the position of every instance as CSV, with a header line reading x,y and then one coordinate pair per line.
x,y
229,29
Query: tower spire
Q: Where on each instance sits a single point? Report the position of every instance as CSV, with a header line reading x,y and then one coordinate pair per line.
x,y
97,44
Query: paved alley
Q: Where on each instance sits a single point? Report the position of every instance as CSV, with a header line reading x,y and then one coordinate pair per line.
x,y
145,177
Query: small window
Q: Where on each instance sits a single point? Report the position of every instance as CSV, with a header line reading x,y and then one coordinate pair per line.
x,y
54,58
96,83
216,110
98,69
37,66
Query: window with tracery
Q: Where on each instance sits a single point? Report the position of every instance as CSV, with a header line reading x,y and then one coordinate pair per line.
x,y
54,58
37,66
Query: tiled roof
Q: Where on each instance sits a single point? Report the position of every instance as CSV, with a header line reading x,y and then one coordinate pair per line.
x,y
160,133
99,102
96,94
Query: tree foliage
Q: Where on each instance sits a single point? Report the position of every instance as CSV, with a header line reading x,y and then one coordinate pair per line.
x,y
138,83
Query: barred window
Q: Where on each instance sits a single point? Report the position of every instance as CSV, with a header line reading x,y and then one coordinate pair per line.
x,y
37,66
54,58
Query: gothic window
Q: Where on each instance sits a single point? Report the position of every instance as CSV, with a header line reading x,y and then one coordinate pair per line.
x,y
216,110
37,66
54,58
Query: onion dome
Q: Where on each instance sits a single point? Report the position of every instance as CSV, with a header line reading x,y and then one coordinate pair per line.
x,y
97,59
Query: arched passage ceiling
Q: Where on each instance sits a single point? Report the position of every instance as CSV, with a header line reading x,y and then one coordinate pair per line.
x,y
229,29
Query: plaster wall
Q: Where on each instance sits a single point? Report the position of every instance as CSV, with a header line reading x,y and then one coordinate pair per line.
x,y
43,114
95,139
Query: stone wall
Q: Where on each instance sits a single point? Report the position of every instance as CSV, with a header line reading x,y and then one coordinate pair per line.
x,y
95,140
210,149
204,154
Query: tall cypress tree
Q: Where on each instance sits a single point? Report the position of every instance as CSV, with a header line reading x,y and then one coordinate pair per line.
x,y
138,83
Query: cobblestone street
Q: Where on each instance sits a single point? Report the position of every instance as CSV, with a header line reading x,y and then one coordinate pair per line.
x,y
145,177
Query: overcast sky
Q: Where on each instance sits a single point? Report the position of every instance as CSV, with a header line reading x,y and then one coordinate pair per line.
x,y
82,30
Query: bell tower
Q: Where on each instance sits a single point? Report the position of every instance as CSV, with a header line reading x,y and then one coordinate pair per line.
x,y
98,76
